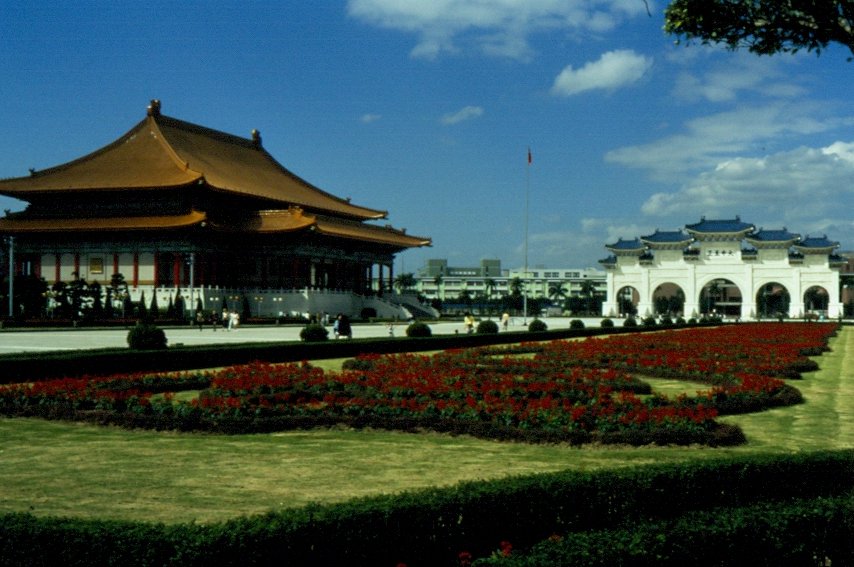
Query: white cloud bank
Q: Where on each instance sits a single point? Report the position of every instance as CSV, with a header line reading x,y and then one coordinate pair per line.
x,y
494,27
806,189
611,71
465,113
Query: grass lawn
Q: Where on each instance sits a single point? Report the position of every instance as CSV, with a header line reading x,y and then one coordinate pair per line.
x,y
67,469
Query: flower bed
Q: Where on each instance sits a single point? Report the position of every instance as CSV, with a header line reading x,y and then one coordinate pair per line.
x,y
576,391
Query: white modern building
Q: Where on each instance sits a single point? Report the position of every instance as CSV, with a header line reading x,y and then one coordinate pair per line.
x,y
725,267
438,280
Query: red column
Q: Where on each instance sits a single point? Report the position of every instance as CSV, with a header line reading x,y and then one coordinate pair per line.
x,y
115,264
136,269
176,270
57,268
77,264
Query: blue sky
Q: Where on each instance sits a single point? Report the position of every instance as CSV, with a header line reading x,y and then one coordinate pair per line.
x,y
427,110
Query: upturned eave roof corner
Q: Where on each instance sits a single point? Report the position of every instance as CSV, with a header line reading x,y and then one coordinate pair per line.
x,y
164,152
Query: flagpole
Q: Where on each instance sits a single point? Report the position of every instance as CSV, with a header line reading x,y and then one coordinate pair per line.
x,y
525,273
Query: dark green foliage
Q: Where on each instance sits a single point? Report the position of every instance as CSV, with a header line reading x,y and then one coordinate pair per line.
x,y
419,329
630,322
537,326
143,308
764,27
649,322
487,327
314,332
607,323
144,336
576,324
713,512
666,321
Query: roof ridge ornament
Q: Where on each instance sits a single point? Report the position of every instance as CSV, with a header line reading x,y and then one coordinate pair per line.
x,y
154,108
256,138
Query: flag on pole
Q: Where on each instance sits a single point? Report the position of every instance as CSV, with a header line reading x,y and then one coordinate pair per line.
x,y
530,159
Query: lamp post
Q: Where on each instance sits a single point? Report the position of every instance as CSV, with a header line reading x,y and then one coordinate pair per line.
x,y
11,276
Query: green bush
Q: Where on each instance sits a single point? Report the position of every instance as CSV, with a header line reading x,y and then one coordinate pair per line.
x,y
630,322
692,321
607,323
666,322
313,333
487,327
576,324
419,329
680,321
537,326
649,322
144,336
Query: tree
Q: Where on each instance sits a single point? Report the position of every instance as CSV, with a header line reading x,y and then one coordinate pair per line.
x,y
405,282
515,286
764,27
558,292
489,287
588,292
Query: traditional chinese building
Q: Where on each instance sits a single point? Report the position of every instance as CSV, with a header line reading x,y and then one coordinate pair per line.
x,y
724,267
176,206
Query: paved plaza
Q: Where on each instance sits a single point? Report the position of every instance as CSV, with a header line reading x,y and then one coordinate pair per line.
x,y
27,340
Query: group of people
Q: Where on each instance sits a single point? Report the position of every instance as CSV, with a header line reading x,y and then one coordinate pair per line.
x,y
469,321
341,327
229,320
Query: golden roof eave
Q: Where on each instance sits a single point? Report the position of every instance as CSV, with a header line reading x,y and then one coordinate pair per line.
x,y
371,233
12,225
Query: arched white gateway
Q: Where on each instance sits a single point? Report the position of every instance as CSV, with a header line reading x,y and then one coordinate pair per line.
x,y
726,267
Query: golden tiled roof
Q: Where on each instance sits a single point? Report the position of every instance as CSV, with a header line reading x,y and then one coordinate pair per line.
x,y
372,233
14,225
163,152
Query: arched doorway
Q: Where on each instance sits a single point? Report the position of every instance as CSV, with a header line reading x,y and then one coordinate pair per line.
x,y
772,300
668,299
720,297
627,301
816,300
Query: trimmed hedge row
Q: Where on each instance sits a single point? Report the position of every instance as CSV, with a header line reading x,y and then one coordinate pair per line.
x,y
817,531
433,527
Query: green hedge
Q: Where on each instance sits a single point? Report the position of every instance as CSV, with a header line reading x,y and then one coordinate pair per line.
x,y
432,527
818,531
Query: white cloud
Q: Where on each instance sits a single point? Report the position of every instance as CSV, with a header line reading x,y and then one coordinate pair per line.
x,y
495,27
740,75
804,189
709,140
369,118
465,113
612,70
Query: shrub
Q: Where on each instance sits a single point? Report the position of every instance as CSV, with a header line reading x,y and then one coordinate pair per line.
x,y
144,336
692,321
313,333
666,322
419,329
576,324
537,326
487,327
630,322
649,322
680,321
607,323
